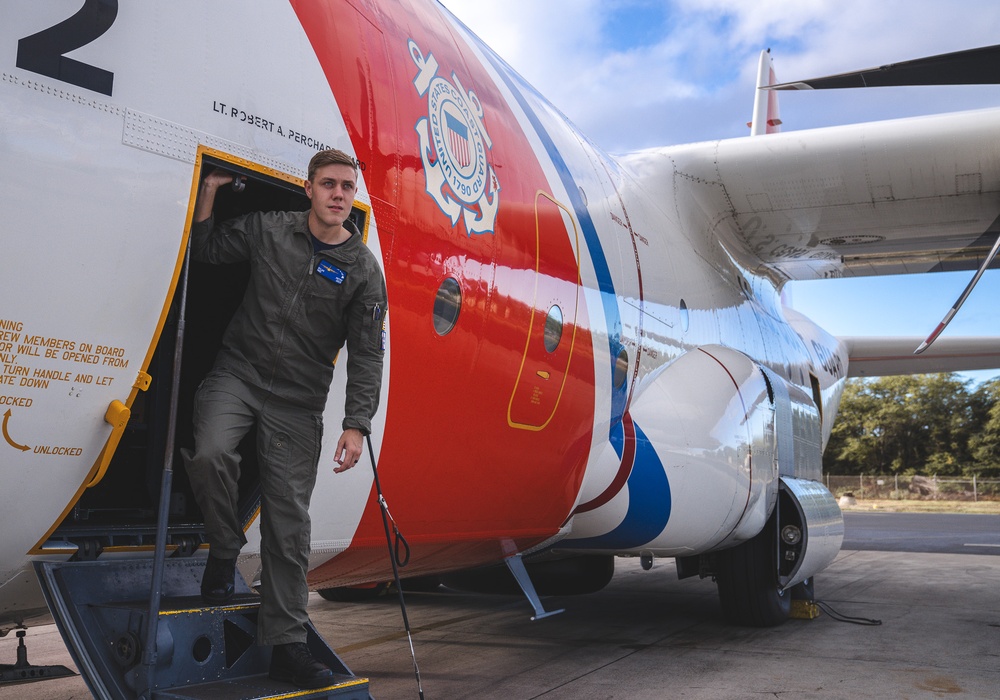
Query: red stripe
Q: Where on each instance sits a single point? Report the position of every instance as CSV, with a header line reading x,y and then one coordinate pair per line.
x,y
624,470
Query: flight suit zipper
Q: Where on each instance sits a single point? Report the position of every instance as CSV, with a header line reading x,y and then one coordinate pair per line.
x,y
285,320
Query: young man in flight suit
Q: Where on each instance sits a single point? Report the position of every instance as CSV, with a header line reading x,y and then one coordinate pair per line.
x,y
314,285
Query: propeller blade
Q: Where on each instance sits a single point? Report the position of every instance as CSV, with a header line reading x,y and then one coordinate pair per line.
x,y
961,300
970,67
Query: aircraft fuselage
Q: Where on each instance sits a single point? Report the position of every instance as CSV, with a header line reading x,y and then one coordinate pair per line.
x,y
572,358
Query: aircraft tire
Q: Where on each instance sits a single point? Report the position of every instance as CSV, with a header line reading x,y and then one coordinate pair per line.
x,y
747,580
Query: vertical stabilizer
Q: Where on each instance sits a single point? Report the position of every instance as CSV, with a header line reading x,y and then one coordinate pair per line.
x,y
766,119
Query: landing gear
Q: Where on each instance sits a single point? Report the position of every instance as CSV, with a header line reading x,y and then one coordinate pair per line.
x,y
759,579
805,590
23,672
747,578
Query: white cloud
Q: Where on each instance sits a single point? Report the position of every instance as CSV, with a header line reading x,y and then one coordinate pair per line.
x,y
696,82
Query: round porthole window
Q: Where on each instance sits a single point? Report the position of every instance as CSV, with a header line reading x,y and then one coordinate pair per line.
x,y
621,369
553,328
447,304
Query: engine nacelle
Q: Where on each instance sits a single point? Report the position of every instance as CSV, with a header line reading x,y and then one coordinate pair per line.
x,y
725,430
710,418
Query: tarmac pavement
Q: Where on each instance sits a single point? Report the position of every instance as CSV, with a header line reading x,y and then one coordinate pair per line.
x,y
648,635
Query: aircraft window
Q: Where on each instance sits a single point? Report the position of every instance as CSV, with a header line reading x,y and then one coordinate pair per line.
x,y
447,304
685,317
553,328
621,369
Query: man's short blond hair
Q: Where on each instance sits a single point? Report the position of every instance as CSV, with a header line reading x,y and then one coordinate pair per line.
x,y
331,156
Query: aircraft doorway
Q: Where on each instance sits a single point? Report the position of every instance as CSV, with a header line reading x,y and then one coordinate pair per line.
x,y
120,510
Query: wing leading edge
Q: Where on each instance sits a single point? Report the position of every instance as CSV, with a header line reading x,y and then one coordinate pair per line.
x,y
882,198
880,357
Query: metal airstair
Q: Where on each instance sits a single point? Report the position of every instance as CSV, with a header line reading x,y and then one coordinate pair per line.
x,y
102,609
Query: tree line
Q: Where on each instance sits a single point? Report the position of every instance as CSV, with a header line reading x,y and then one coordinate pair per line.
x,y
919,424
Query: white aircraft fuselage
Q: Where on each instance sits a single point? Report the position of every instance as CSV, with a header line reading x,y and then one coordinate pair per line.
x,y
584,354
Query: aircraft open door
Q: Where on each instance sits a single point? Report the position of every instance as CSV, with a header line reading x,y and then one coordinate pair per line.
x,y
117,507
552,329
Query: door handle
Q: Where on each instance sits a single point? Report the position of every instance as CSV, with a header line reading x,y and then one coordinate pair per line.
x,y
117,416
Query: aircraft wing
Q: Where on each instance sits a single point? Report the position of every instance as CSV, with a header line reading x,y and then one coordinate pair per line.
x,y
881,198
880,356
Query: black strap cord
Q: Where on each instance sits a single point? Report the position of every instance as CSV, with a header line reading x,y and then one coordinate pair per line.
x,y
846,618
394,557
400,547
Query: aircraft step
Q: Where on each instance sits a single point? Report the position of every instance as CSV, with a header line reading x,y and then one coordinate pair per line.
x,y
202,651
262,688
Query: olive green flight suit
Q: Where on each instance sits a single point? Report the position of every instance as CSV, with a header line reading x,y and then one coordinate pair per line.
x,y
274,371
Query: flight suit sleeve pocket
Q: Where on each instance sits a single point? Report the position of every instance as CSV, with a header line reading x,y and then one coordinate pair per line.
x,y
374,324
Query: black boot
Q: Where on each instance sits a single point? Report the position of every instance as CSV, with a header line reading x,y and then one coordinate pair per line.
x,y
294,663
218,581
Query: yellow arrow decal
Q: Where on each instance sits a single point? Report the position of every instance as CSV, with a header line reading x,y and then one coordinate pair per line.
x,y
6,435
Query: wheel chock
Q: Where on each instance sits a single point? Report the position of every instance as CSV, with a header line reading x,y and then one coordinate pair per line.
x,y
804,610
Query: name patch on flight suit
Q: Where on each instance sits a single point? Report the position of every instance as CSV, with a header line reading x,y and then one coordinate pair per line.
x,y
331,272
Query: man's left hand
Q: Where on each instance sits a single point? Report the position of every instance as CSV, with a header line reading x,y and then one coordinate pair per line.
x,y
348,450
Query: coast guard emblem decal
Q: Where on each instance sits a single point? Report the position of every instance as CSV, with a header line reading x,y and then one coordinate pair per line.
x,y
454,147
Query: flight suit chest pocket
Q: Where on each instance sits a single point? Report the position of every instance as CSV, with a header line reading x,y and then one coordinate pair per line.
x,y
326,298
330,272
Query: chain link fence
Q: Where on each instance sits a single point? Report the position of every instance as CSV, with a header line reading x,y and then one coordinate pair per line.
x,y
916,487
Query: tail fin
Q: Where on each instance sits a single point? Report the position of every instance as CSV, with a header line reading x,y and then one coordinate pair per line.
x,y
765,102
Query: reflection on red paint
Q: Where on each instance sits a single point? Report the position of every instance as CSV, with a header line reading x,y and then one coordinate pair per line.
x,y
487,480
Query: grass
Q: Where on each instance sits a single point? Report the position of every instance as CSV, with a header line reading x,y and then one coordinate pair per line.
x,y
905,506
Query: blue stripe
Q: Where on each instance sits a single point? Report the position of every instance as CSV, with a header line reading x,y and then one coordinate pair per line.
x,y
609,298
648,487
649,502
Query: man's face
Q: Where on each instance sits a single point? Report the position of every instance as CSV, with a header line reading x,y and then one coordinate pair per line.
x,y
332,192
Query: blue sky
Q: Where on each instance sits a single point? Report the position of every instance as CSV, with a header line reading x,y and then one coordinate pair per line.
x,y
633,74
